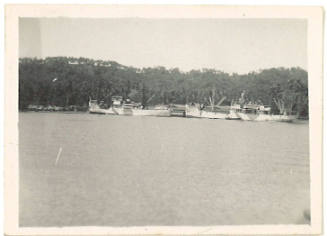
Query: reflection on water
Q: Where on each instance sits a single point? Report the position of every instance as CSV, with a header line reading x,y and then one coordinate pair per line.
x,y
114,171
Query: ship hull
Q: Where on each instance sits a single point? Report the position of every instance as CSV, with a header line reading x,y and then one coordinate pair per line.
x,y
194,112
150,112
266,117
102,111
121,111
233,116
213,115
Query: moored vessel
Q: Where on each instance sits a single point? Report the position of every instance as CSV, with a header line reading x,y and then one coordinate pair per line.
x,y
94,108
193,111
232,115
177,110
118,107
155,111
196,111
213,114
254,112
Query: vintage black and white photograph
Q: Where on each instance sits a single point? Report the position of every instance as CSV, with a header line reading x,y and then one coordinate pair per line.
x,y
134,122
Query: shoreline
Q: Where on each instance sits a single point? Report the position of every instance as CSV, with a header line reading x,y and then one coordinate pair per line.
x,y
296,121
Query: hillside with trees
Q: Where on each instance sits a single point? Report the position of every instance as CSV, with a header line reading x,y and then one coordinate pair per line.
x,y
63,81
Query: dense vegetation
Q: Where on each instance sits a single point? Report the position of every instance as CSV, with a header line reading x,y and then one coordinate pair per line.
x,y
63,81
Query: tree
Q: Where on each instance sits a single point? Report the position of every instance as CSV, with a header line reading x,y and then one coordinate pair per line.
x,y
64,81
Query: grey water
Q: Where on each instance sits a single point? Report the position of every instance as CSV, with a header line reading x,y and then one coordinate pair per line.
x,y
79,169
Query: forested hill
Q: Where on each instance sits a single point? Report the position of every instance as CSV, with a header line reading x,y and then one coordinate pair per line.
x,y
64,81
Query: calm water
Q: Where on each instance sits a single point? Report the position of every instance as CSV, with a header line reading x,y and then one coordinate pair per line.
x,y
137,171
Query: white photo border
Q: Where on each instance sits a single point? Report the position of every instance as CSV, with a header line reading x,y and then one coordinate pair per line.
x,y
314,17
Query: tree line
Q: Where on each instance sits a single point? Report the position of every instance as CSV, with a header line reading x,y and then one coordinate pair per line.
x,y
65,81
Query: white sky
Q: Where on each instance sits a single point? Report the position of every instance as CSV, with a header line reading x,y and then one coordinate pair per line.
x,y
238,46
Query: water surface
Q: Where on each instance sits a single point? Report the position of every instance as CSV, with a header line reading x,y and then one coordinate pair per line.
x,y
136,171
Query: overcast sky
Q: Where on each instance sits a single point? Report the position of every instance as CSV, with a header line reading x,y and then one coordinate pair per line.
x,y
238,46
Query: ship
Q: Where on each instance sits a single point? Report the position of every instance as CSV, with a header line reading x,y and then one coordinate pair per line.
x,y
255,112
193,111
118,107
233,112
249,111
94,108
211,112
159,110
197,111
